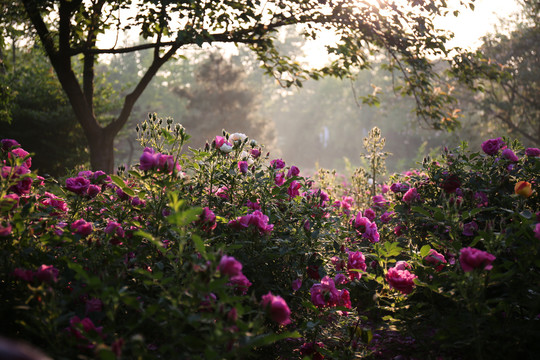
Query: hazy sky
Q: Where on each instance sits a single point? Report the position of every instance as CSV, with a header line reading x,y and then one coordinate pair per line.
x,y
468,27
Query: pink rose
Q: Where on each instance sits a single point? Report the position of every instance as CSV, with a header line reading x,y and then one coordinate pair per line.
x,y
277,308
297,284
240,282
82,227
400,280
471,258
436,259
279,179
47,273
537,231
411,195
470,228
356,261
228,265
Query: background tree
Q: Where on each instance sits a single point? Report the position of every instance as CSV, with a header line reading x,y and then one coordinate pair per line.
x,y
68,30
41,118
507,73
220,99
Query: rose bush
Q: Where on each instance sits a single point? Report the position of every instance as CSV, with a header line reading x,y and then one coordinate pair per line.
x,y
224,253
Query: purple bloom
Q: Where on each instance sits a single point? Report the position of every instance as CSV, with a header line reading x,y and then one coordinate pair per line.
x,y
492,146
532,152
293,171
148,159
78,185
509,155
243,166
47,273
7,144
279,179
229,266
470,228
293,189
370,214
277,164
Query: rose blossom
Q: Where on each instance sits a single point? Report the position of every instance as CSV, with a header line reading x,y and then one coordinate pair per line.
x,y
492,146
509,155
277,164
532,152
436,259
47,273
400,280
470,228
82,227
471,258
523,188
228,265
356,261
537,231
293,171
243,167
293,190
78,185
277,308
411,195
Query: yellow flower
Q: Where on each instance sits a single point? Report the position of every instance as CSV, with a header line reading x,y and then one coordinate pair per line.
x,y
523,188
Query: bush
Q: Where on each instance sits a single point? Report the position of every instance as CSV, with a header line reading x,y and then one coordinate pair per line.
x,y
223,252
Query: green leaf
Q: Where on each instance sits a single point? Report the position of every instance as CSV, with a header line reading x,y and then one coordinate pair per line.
x,y
199,245
420,210
424,251
267,339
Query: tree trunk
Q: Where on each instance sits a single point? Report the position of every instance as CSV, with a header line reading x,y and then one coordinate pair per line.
x,y
101,151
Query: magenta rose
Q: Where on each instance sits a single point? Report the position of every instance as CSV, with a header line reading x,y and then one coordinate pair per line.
x,y
537,231
47,273
243,167
77,185
400,280
471,258
277,164
532,152
148,159
470,228
508,154
411,195
7,144
492,146
228,265
293,171
436,259
356,261
294,189
277,308
82,227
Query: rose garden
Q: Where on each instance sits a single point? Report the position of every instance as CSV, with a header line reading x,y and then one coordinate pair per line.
x,y
228,252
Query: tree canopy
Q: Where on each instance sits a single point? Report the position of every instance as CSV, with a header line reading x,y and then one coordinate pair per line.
x,y
69,29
